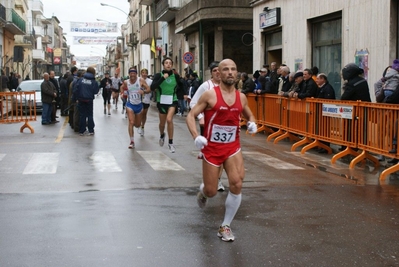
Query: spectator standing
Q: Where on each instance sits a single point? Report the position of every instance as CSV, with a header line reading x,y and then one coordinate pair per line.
x,y
284,83
309,87
48,93
248,85
56,100
64,94
84,92
355,87
378,87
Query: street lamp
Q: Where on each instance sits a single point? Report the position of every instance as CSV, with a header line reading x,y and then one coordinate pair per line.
x,y
132,24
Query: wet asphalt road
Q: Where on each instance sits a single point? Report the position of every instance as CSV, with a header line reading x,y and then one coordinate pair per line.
x,y
101,204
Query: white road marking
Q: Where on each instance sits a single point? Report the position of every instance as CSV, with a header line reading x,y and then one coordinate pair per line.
x,y
104,161
159,161
271,161
2,156
42,163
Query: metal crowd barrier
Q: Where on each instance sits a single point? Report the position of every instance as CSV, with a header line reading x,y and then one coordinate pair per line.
x,y
361,128
18,107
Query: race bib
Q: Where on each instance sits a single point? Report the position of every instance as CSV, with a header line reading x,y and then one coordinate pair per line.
x,y
223,134
166,99
134,98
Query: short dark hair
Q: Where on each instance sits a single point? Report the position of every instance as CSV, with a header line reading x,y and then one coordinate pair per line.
x,y
73,69
167,58
315,70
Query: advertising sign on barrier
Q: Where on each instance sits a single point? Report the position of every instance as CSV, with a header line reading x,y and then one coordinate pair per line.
x,y
338,111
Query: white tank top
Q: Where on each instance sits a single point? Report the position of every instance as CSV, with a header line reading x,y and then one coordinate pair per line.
x,y
133,95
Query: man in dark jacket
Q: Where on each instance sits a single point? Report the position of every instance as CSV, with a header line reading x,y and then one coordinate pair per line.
x,y
326,91
355,87
54,81
309,87
248,85
48,92
64,94
85,91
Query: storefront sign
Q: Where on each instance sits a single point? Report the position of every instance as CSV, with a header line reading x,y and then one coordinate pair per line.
x,y
271,17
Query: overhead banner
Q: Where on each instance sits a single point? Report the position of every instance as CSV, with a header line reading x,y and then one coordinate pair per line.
x,y
88,40
87,61
94,27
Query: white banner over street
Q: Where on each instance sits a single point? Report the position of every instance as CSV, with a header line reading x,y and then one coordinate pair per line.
x,y
94,27
89,40
88,61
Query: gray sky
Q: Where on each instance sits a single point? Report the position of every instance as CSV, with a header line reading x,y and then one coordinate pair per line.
x,y
85,11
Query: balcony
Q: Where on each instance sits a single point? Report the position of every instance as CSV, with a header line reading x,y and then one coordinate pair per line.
x,y
24,41
208,11
47,39
14,23
167,9
146,32
37,7
2,14
38,54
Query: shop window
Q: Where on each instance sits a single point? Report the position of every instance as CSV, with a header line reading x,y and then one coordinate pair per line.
x,y
327,49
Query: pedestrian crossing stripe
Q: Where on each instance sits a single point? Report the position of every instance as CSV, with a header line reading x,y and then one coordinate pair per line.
x,y
104,161
271,161
42,163
159,161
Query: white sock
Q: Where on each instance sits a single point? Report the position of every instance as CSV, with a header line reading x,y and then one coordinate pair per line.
x,y
232,204
132,139
202,189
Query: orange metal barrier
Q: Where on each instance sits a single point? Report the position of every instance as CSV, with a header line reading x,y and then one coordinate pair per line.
x,y
18,107
378,127
337,123
361,128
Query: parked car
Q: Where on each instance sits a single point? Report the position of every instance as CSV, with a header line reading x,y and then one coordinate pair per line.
x,y
29,86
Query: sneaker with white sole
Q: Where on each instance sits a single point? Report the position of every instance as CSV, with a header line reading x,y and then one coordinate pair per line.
x,y
201,200
131,145
161,141
171,148
225,233
140,131
220,186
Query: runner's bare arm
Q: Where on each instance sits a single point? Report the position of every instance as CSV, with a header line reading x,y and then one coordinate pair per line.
x,y
202,104
145,86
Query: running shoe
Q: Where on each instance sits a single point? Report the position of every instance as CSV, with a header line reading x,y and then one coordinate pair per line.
x,y
91,133
109,113
220,186
225,233
171,148
105,111
161,141
139,131
131,145
142,131
201,200
123,110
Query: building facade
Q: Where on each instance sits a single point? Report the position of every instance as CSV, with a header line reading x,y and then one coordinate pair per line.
x,y
326,34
